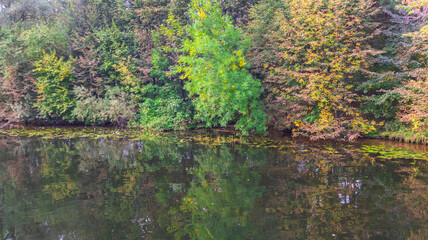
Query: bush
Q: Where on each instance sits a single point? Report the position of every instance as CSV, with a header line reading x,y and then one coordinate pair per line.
x,y
45,37
116,107
53,87
164,111
17,88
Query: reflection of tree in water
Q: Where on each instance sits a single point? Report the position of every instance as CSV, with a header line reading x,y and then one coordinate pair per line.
x,y
111,185
16,164
321,195
157,189
221,196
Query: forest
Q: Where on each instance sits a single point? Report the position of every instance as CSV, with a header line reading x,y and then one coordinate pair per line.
x,y
322,69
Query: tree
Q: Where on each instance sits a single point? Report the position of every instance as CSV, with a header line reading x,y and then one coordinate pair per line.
x,y
315,54
22,10
414,106
53,86
218,80
17,88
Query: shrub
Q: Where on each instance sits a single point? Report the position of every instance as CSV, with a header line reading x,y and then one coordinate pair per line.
x,y
53,87
45,37
17,88
164,114
116,107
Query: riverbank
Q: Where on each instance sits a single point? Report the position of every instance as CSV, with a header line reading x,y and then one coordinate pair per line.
x,y
215,137
401,136
408,137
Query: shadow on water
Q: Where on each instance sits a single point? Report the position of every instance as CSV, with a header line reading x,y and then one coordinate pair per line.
x,y
209,186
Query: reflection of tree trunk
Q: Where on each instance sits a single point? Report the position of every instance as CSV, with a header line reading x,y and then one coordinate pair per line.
x,y
6,237
1,230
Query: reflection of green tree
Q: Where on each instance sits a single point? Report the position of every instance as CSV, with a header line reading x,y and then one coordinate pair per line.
x,y
58,171
110,184
221,197
14,186
157,188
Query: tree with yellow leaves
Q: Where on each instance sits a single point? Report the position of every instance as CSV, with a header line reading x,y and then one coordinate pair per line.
x,y
312,56
53,86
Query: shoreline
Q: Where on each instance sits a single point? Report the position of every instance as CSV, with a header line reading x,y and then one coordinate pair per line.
x,y
390,136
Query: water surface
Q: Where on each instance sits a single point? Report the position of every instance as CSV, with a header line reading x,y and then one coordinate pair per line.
x,y
209,186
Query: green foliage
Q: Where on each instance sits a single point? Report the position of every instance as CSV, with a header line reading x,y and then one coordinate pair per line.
x,y
45,37
380,102
128,81
53,87
167,43
116,107
164,103
324,69
113,46
164,110
218,80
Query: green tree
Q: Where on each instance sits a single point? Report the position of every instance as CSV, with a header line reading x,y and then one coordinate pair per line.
x,y
53,85
17,88
165,104
23,10
218,80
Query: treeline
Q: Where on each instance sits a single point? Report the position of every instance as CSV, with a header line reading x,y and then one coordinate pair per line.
x,y
330,69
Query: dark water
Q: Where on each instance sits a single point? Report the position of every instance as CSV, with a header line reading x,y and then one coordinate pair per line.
x,y
168,188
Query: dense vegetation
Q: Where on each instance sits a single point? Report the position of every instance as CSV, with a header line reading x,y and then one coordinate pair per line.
x,y
331,69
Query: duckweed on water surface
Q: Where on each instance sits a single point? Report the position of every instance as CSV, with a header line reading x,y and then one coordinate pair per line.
x,y
382,150
387,152
79,132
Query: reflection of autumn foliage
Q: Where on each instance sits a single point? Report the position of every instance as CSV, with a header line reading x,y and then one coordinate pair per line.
x,y
415,198
16,162
158,187
323,196
110,186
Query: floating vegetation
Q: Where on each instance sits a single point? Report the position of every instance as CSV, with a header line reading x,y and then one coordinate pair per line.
x,y
387,152
81,132
324,149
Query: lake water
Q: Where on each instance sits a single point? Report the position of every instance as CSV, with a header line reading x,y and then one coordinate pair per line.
x,y
198,185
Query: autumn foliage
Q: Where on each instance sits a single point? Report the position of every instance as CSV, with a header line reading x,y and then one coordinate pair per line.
x,y
321,51
331,69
